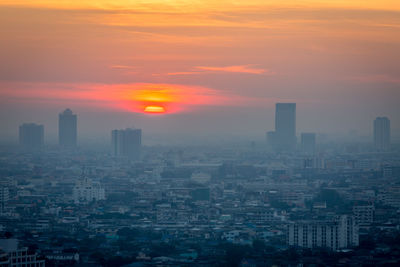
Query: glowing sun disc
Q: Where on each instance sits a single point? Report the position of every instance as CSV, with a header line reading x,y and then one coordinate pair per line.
x,y
154,109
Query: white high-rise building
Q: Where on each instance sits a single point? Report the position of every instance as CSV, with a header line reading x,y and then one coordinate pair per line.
x,y
336,234
86,190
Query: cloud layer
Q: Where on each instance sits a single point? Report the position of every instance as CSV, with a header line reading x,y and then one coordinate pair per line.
x,y
135,97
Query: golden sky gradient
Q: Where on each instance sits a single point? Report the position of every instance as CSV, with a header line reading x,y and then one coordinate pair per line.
x,y
189,5
329,56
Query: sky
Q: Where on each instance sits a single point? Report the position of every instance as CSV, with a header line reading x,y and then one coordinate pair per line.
x,y
182,68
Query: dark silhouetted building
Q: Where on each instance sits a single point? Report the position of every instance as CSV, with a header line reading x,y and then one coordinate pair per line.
x,y
31,136
382,133
308,143
67,129
284,137
126,143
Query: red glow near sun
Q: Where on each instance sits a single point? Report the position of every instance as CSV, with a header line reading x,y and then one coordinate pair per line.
x,y
147,98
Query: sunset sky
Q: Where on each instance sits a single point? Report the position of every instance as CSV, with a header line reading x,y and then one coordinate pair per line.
x,y
210,67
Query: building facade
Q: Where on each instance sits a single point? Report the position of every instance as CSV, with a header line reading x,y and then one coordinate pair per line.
x,y
31,136
67,129
126,143
382,134
86,190
336,234
364,214
12,256
284,137
4,197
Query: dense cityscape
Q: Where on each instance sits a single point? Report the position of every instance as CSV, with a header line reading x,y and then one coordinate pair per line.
x,y
292,200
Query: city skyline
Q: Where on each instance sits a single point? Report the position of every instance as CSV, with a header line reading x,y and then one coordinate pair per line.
x,y
285,137
200,133
185,66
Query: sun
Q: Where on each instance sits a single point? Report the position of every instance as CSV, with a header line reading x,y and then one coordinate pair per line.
x,y
154,109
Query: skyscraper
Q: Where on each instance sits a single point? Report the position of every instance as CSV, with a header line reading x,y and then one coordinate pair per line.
x,y
31,136
382,133
285,126
126,143
308,142
67,129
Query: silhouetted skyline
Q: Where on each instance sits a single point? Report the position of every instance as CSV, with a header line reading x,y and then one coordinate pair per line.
x,y
180,69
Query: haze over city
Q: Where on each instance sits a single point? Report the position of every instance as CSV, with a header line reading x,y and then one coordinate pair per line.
x,y
230,133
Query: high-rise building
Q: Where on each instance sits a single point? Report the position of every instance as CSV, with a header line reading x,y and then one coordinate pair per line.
x,y
285,126
382,133
308,144
126,143
31,136
13,256
4,197
342,232
67,129
364,214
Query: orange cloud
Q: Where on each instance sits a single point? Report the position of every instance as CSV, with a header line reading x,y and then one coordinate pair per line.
x,y
122,67
184,73
234,69
238,69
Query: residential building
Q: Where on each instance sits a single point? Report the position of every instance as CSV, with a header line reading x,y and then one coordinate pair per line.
x,y
333,234
86,190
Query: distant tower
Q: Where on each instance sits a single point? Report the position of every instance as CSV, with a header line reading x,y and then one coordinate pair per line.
x,y
67,129
31,136
308,143
285,126
126,143
271,139
382,133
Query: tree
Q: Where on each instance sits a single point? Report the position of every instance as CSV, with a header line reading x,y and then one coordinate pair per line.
x,y
235,253
331,197
258,245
